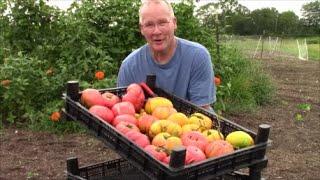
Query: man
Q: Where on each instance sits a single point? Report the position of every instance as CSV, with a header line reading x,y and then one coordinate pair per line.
x,y
182,67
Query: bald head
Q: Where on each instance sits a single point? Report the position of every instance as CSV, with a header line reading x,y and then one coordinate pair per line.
x,y
146,3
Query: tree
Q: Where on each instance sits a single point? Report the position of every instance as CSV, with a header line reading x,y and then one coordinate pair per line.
x,y
221,12
242,25
311,18
311,13
32,24
265,20
287,23
242,10
4,23
208,14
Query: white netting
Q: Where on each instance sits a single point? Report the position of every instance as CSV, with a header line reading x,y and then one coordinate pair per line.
x,y
303,49
258,44
273,44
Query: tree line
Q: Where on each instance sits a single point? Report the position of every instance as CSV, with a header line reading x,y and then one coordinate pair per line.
x,y
237,19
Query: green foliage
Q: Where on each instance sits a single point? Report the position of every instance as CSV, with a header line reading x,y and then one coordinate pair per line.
x,y
4,23
244,85
237,19
242,25
42,48
265,20
39,120
109,82
304,106
39,56
189,26
98,30
31,88
299,118
262,87
311,15
313,40
287,23
32,25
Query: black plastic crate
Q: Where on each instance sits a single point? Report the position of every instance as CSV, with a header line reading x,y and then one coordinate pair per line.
x,y
252,157
117,169
120,169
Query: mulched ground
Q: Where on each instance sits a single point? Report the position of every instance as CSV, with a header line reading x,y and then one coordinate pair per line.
x,y
294,153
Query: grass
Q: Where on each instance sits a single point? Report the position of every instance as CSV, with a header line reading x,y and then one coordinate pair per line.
x,y
314,51
288,45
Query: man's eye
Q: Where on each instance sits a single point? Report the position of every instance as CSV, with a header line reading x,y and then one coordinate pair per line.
x,y
149,25
163,23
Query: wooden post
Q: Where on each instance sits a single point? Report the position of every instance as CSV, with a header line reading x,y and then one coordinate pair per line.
x,y
218,38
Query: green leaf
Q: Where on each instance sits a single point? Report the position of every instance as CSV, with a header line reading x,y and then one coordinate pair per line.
x,y
299,117
304,106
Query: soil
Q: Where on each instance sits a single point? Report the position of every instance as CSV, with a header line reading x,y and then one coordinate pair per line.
x,y
293,154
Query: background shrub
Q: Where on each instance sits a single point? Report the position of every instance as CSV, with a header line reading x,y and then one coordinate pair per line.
x,y
244,84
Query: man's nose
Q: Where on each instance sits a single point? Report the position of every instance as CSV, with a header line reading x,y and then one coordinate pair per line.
x,y
157,28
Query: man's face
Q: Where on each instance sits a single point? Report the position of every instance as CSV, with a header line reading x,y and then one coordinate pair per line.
x,y
158,26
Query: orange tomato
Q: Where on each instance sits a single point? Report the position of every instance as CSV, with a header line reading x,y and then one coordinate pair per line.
x,y
99,75
5,82
217,81
49,71
55,116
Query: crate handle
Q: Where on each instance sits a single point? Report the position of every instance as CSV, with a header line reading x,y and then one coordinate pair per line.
x,y
148,89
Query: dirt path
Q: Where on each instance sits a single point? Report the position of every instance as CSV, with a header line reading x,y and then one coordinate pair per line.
x,y
294,153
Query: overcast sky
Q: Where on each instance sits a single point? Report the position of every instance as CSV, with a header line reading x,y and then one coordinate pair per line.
x,y
280,5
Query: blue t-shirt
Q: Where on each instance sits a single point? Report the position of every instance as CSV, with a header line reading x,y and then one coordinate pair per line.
x,y
189,73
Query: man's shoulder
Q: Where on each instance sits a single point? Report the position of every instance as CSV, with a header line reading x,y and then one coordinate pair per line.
x,y
188,46
192,44
135,54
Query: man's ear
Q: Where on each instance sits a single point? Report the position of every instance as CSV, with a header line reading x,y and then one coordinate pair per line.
x,y
174,20
140,28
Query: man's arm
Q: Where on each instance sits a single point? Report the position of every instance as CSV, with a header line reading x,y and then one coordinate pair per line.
x,y
208,107
201,87
124,78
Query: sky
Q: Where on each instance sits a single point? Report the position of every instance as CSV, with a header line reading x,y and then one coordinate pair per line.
x,y
280,5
